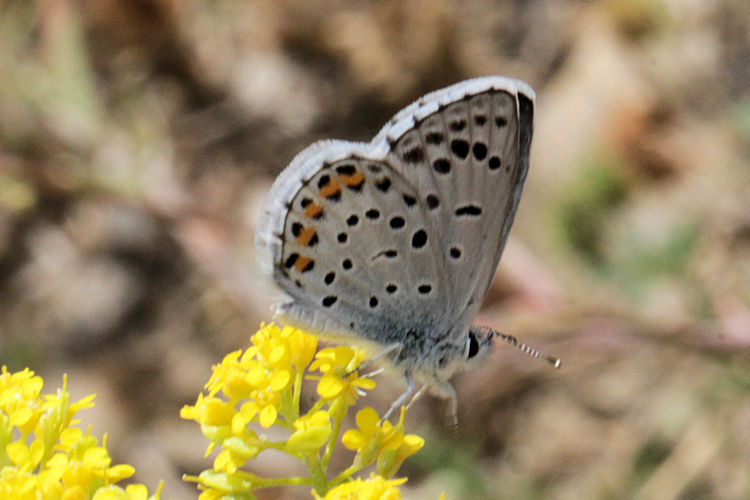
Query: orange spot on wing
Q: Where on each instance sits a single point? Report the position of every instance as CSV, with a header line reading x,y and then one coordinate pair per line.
x,y
353,180
330,189
303,264
306,235
313,210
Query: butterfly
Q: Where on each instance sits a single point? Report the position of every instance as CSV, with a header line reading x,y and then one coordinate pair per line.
x,y
395,242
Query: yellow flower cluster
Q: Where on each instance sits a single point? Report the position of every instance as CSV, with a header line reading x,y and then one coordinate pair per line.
x,y
260,387
374,488
42,456
383,442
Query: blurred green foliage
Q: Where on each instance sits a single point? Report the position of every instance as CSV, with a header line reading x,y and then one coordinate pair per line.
x,y
598,189
457,457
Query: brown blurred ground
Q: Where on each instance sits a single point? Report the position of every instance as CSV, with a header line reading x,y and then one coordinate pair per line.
x,y
137,140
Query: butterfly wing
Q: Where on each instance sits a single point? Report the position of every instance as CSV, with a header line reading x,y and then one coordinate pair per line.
x,y
466,149
346,237
399,238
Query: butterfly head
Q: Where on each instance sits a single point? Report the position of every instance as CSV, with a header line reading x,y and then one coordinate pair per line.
x,y
478,344
474,346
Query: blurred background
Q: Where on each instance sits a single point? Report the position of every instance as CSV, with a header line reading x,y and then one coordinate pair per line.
x,y
138,139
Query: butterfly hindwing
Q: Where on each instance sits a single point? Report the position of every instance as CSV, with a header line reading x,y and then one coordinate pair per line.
x,y
355,249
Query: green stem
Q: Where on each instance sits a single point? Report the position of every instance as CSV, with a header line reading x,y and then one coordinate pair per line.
x,y
317,406
317,473
297,391
256,482
332,441
282,481
344,475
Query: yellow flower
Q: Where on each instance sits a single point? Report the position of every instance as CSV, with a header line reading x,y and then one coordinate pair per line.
x,y
390,459
382,441
228,462
60,462
264,407
338,365
222,372
369,425
398,448
19,398
261,373
312,432
27,458
340,357
284,347
303,346
210,411
373,488
131,492
262,384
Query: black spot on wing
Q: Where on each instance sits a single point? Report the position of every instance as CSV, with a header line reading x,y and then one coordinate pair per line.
x,y
347,169
460,148
479,150
419,239
414,155
442,165
457,126
383,184
289,262
432,201
470,210
433,138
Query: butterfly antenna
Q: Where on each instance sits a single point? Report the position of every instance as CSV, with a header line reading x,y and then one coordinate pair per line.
x,y
552,360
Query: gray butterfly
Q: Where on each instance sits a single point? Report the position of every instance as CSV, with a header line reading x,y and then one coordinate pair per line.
x,y
396,241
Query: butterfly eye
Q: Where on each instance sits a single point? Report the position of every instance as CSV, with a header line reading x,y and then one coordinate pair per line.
x,y
472,346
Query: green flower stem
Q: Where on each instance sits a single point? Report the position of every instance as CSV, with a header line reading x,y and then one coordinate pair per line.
x,y
297,391
332,441
53,423
246,482
345,475
317,406
287,408
317,473
282,481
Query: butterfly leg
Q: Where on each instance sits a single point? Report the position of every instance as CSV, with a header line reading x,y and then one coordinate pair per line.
x,y
444,389
383,352
406,396
417,396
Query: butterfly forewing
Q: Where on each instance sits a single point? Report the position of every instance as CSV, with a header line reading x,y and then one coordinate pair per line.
x,y
517,171
464,160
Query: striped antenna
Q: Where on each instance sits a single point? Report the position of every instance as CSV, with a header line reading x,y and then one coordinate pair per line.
x,y
552,360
